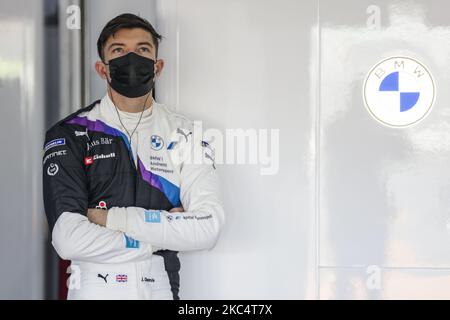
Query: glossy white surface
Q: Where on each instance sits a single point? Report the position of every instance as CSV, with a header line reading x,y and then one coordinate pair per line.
x,y
246,64
393,283
23,225
383,191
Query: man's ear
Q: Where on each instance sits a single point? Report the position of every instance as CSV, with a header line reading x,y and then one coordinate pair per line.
x,y
101,69
159,66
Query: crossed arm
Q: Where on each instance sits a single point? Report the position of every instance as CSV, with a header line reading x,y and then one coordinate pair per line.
x,y
102,236
130,233
100,216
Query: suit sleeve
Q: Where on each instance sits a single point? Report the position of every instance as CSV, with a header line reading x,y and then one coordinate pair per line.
x,y
195,229
66,204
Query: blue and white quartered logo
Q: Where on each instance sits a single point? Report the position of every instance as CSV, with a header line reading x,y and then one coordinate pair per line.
x,y
399,91
157,142
131,243
54,143
152,216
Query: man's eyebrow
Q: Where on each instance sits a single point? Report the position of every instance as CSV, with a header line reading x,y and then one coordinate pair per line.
x,y
116,44
146,43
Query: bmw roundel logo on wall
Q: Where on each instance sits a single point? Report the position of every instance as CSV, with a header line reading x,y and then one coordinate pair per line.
x,y
399,92
157,142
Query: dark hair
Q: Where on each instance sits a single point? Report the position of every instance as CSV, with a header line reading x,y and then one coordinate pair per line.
x,y
125,21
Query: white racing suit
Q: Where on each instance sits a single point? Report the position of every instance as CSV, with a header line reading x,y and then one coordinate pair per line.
x,y
89,162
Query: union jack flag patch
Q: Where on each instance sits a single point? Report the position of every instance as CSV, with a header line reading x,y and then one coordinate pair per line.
x,y
121,278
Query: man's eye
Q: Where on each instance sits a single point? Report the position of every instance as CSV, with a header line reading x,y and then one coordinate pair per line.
x,y
117,50
144,49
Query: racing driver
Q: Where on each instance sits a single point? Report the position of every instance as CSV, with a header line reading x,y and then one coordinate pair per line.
x,y
123,192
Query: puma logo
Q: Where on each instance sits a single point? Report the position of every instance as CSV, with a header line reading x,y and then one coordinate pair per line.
x,y
184,134
82,133
103,277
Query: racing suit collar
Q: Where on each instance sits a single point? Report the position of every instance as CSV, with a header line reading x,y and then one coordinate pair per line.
x,y
107,109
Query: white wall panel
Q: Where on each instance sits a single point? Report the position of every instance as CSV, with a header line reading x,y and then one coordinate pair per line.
x,y
246,64
394,283
384,192
23,225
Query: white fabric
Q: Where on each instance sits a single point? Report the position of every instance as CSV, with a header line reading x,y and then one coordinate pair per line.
x,y
95,250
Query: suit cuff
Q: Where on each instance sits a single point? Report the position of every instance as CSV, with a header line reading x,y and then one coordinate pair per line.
x,y
117,219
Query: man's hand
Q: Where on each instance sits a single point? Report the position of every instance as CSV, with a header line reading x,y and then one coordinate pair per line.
x,y
97,216
178,209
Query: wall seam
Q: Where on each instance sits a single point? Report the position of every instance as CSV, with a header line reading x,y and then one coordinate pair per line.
x,y
317,154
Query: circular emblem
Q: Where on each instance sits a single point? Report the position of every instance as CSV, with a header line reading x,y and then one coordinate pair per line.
x,y
52,169
157,142
399,92
101,205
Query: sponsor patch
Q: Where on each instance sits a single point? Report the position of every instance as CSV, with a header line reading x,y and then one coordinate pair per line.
x,y
55,154
172,145
81,133
101,205
94,143
121,278
52,169
104,277
88,161
152,216
131,243
104,156
157,142
54,143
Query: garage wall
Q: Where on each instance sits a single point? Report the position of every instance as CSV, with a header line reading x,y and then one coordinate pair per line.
x,y
23,225
384,192
248,65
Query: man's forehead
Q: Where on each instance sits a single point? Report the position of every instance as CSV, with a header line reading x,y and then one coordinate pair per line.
x,y
135,35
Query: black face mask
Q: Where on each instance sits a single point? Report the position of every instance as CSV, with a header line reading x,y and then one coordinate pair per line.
x,y
132,75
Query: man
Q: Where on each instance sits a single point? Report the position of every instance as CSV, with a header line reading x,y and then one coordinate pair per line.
x,y
121,192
